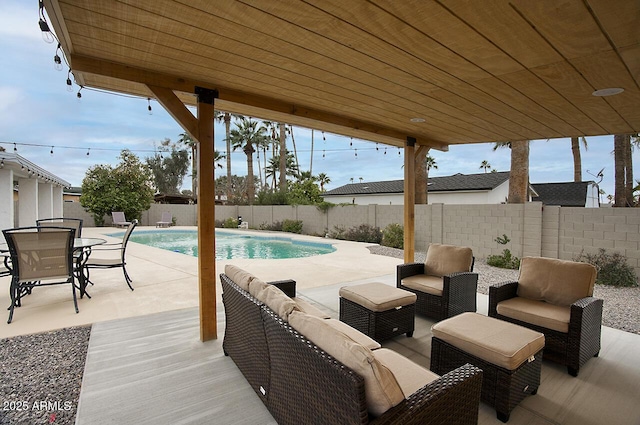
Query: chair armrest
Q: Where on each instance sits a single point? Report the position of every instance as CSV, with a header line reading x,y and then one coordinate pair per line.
x,y
409,269
500,292
453,399
586,318
287,286
459,291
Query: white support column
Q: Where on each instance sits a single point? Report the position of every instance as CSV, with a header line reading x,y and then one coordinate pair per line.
x,y
45,200
6,192
58,202
27,202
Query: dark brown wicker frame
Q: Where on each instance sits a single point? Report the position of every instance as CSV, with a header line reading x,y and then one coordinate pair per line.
x,y
571,349
307,386
458,292
379,325
501,388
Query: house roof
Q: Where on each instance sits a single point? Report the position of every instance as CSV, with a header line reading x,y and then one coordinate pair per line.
x,y
23,168
456,182
569,194
367,70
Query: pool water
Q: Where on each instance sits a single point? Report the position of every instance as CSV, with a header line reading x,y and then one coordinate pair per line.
x,y
231,245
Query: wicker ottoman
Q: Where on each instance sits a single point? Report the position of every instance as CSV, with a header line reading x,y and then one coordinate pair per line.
x,y
378,310
509,355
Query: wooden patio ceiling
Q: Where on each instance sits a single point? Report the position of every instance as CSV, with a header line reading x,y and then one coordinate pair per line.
x,y
475,71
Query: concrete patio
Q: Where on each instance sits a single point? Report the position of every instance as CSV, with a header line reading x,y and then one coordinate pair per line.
x,y
145,362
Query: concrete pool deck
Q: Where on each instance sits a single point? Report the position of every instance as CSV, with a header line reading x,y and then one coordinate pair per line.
x,y
165,280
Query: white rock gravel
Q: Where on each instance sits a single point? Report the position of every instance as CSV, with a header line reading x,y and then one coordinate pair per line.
x,y
621,305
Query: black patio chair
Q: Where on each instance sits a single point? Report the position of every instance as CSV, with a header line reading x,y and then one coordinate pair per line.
x,y
112,261
74,223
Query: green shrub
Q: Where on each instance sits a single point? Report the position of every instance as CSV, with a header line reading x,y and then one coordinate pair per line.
x,y
324,206
230,223
364,233
393,236
612,268
338,232
506,260
276,226
292,226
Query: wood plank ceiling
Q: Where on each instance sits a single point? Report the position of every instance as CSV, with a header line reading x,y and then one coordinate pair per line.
x,y
475,71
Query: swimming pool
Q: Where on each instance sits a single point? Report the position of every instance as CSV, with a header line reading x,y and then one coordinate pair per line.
x,y
231,245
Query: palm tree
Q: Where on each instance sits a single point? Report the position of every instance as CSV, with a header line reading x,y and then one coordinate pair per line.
x,y
217,159
248,134
322,180
226,118
420,185
429,163
274,166
622,148
577,160
485,164
188,141
519,172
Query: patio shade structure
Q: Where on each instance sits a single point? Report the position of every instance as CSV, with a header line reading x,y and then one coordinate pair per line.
x,y
411,74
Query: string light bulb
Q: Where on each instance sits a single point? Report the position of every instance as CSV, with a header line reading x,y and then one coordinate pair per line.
x,y
69,83
149,107
15,148
88,149
46,31
57,63
51,152
79,95
2,163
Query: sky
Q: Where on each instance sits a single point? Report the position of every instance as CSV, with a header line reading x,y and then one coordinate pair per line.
x,y
39,115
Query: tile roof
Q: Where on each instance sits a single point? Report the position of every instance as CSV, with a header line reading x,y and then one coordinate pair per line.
x,y
569,194
456,182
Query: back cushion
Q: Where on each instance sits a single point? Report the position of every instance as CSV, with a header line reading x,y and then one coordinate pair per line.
x,y
256,286
558,282
276,300
443,260
381,388
240,277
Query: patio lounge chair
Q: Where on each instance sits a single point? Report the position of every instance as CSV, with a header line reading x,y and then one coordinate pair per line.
x,y
119,220
74,223
112,261
39,259
166,220
444,284
554,297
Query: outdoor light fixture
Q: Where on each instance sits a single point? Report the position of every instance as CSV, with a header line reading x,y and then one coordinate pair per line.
x,y
611,91
149,107
51,151
57,63
46,32
88,149
69,83
79,95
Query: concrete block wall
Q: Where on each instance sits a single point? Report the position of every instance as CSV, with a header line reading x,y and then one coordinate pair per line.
x,y
314,221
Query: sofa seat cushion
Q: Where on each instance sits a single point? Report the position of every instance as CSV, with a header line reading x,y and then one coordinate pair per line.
x,y
443,260
538,313
240,277
428,284
306,307
410,376
276,300
496,341
377,296
558,282
382,391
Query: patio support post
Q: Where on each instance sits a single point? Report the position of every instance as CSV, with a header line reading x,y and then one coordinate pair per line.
x,y
206,216
409,200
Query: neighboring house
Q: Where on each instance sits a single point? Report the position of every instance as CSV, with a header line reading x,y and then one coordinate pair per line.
x,y
570,194
482,188
72,194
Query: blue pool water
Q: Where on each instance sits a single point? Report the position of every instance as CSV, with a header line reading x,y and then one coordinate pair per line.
x,y
231,245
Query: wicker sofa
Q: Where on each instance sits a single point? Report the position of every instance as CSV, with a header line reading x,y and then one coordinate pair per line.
x,y
275,338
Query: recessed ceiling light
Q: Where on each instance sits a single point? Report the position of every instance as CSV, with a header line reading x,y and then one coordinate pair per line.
x,y
417,120
607,92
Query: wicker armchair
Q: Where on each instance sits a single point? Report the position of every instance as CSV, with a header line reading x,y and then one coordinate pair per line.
x,y
444,284
554,297
39,259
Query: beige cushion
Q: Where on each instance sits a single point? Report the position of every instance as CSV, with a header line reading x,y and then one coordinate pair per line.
x,y
443,260
306,307
410,376
540,313
381,388
377,296
495,341
255,286
354,334
240,277
276,300
428,284
558,282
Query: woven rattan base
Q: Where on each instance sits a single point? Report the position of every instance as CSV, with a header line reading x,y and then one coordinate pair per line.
x,y
378,325
501,388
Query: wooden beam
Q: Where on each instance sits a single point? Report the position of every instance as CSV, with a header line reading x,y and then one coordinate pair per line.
x,y
176,109
239,102
206,217
409,200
